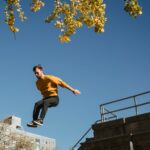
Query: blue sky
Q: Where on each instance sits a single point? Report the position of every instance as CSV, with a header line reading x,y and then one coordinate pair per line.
x,y
103,67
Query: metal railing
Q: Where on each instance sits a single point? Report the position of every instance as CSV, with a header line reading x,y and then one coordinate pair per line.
x,y
83,136
104,111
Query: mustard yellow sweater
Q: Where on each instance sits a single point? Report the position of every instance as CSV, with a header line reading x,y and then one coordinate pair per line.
x,y
48,85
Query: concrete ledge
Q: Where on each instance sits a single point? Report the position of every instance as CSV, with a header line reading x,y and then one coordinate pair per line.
x,y
122,126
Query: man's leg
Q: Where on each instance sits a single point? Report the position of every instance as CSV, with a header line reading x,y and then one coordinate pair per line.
x,y
38,105
49,102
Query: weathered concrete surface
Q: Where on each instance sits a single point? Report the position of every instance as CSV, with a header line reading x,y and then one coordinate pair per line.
x,y
117,134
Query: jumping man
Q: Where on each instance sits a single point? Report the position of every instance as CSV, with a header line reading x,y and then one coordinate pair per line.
x,y
48,86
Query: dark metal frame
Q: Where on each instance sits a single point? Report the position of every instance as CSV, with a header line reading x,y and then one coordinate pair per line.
x,y
104,111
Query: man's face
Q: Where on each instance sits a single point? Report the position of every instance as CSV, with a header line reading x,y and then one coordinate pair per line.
x,y
38,73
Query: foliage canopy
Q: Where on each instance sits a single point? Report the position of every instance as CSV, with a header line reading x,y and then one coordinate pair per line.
x,y
69,16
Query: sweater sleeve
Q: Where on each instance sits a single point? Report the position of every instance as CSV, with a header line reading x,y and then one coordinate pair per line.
x,y
59,81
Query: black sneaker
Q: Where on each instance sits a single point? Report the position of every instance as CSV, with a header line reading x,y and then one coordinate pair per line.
x,y
32,124
38,122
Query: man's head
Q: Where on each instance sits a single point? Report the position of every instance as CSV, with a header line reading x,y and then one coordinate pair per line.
x,y
38,71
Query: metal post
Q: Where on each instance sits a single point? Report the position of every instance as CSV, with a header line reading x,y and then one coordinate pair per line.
x,y
102,113
131,145
131,142
135,103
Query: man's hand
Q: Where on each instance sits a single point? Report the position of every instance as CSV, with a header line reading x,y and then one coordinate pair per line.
x,y
75,91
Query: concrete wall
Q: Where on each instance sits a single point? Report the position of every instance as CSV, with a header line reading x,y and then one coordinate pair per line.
x,y
132,133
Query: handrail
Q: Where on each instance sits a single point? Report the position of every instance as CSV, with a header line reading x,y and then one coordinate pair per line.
x,y
126,108
133,97
125,98
84,135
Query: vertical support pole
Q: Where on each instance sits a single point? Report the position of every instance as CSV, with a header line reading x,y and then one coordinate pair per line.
x,y
135,103
102,112
131,146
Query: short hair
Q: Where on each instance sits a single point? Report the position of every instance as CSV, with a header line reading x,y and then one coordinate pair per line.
x,y
37,66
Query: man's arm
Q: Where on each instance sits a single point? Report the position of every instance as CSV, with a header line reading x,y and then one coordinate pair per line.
x,y
61,83
75,91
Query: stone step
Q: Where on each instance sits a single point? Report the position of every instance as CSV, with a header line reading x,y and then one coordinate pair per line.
x,y
114,143
141,141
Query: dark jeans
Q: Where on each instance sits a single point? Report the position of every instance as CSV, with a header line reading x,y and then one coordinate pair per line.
x,y
43,106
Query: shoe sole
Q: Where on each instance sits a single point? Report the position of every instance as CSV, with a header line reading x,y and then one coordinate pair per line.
x,y
33,126
37,123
